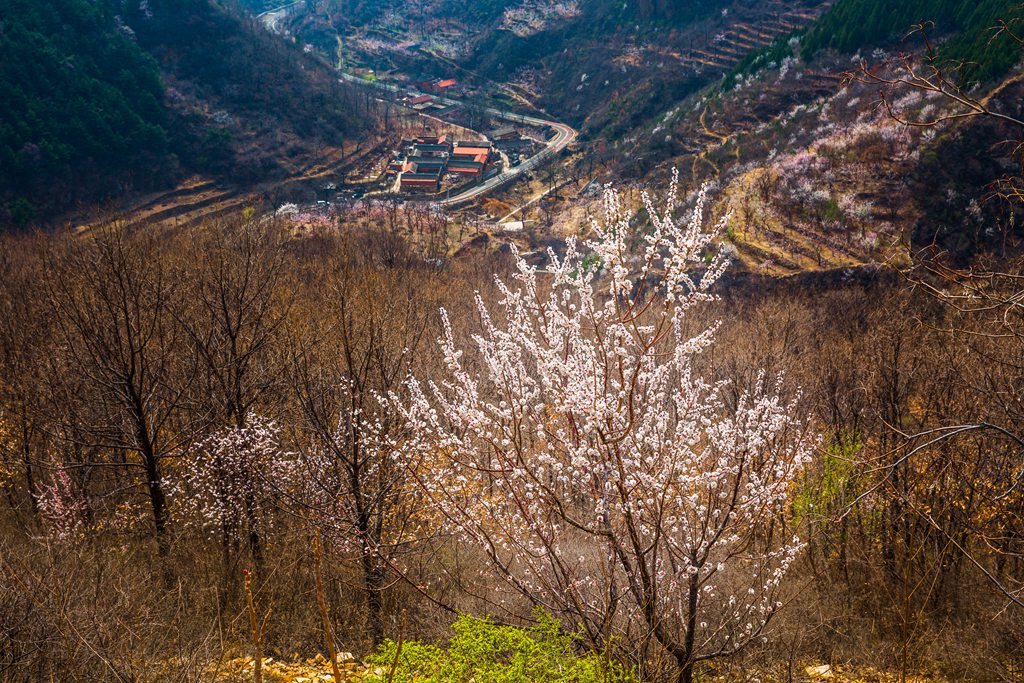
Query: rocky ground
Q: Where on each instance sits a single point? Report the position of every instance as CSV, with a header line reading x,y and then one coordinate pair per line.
x,y
318,670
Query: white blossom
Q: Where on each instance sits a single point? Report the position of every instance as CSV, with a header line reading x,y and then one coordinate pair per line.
x,y
580,448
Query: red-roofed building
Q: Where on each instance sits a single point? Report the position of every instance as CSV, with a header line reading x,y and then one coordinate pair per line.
x,y
420,99
428,138
465,167
421,181
478,154
424,174
439,87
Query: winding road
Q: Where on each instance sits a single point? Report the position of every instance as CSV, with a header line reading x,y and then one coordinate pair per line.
x,y
564,136
270,18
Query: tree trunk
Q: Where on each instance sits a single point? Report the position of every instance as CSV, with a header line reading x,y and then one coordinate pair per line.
x,y
373,581
687,664
30,482
158,501
255,541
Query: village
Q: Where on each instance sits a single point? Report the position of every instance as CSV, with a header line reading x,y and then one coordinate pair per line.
x,y
432,162
439,156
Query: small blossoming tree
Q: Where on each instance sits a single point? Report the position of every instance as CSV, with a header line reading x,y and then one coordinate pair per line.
x,y
578,447
352,491
232,479
63,506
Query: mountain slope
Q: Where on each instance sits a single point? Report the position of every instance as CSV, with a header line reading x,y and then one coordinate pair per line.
x,y
817,175
853,25
605,66
111,98
79,95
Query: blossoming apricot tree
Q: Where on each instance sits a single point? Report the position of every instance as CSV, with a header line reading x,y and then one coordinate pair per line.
x,y
63,506
580,449
233,479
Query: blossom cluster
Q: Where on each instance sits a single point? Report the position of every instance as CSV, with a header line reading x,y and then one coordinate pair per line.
x,y
534,16
62,505
580,449
231,479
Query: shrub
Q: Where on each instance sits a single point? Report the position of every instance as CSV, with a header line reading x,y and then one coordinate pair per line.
x,y
833,488
484,652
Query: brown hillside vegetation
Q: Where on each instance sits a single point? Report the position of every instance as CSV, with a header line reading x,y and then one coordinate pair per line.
x,y
132,355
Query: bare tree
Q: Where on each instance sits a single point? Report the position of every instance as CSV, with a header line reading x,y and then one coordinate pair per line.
x,y
234,309
359,345
112,299
24,322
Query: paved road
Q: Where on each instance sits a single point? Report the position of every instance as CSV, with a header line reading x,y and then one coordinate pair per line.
x,y
270,18
564,136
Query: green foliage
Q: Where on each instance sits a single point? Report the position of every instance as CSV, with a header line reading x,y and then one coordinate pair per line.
x,y
833,486
852,25
831,211
75,87
22,212
483,652
85,116
591,261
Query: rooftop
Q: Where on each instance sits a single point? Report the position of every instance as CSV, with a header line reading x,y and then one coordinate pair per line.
x,y
465,165
478,156
504,131
433,147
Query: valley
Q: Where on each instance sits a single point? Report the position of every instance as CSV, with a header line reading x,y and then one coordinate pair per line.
x,y
511,341
716,135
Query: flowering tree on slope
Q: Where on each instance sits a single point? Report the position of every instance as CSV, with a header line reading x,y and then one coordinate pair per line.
x,y
63,506
233,479
580,450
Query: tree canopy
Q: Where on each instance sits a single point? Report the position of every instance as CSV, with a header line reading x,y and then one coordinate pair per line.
x,y
76,87
851,25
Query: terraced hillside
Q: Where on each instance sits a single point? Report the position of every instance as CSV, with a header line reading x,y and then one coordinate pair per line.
x,y
815,176
754,31
628,59
161,91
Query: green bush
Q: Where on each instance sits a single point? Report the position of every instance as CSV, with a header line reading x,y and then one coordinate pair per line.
x,y
834,487
22,212
832,212
484,652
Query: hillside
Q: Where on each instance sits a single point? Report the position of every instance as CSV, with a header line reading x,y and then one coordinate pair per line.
x,y
629,60
851,26
747,95
817,176
106,100
80,98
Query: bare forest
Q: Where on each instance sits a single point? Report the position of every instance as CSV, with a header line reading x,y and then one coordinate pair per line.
x,y
701,473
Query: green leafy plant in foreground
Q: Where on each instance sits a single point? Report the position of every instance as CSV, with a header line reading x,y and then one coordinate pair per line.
x,y
484,652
